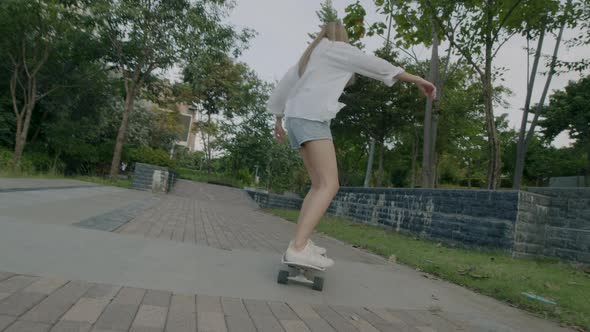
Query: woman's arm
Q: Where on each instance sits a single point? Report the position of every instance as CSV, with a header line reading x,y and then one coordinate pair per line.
x,y
350,58
278,98
427,88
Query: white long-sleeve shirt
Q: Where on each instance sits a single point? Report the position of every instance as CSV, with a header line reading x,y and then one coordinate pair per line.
x,y
315,94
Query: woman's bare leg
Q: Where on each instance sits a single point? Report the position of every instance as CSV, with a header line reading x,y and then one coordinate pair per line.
x,y
319,158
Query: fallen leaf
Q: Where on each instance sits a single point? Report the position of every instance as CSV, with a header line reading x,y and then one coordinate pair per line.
x,y
465,271
551,286
428,276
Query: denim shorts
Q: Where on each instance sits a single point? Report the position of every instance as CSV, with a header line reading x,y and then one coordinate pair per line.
x,y
302,130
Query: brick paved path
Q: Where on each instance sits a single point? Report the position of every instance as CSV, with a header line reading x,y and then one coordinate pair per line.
x,y
225,218
35,304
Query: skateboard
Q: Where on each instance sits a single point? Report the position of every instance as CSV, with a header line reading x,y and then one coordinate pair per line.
x,y
304,274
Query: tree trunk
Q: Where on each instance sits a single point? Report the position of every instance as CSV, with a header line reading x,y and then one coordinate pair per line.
x,y
202,132
209,143
372,142
21,137
520,166
129,102
520,146
370,163
429,124
380,168
587,177
414,161
493,176
436,173
539,107
494,167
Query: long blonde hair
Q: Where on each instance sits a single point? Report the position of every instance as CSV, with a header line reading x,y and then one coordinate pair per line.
x,y
334,31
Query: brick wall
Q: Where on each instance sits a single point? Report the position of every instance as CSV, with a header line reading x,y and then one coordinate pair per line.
x,y
554,222
462,217
542,222
143,178
274,201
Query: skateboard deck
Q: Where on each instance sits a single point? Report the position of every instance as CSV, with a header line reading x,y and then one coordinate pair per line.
x,y
301,273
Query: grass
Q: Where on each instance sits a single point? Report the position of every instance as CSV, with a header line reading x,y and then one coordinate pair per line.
x,y
203,176
122,183
493,273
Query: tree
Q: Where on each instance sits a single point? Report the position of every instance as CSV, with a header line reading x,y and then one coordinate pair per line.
x,y
580,10
216,87
549,21
569,110
484,26
375,111
142,36
415,26
354,22
31,30
544,161
326,14
461,131
73,125
246,134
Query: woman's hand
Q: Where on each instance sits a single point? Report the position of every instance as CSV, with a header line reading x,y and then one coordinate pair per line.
x,y
279,132
427,88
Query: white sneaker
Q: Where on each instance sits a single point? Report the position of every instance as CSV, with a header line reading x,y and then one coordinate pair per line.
x,y
307,256
318,250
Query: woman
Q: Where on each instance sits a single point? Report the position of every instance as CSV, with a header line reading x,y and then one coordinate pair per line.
x,y
307,96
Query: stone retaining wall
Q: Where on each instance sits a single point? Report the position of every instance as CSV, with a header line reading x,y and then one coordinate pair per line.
x,y
153,178
554,222
542,222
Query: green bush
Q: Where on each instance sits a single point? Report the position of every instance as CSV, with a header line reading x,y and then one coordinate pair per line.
x,y
244,176
6,165
43,162
187,159
213,178
148,155
5,159
84,158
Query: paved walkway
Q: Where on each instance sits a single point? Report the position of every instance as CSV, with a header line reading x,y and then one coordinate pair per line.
x,y
69,275
225,218
31,303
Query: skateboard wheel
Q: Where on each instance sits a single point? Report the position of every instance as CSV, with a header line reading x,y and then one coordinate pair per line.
x,y
283,277
318,283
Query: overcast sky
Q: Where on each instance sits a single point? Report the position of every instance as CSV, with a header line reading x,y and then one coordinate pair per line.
x,y
282,27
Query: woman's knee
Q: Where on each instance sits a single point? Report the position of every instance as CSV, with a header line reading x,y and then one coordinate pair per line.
x,y
330,186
